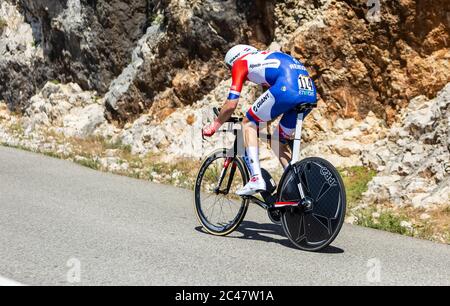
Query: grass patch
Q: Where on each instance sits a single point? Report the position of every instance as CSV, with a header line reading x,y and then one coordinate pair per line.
x,y
436,228
179,172
356,180
117,145
89,163
88,152
17,128
386,221
52,154
88,147
20,147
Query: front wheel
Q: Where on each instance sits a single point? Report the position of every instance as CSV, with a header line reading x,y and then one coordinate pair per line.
x,y
315,227
218,208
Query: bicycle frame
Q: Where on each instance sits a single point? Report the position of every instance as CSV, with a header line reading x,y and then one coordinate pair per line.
x,y
298,203
296,153
269,200
297,139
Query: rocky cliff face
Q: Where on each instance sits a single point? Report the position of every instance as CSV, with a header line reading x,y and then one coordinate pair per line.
x,y
21,63
362,60
378,63
413,160
140,52
87,42
120,69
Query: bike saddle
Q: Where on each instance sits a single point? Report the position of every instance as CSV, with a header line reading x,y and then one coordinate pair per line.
x,y
304,107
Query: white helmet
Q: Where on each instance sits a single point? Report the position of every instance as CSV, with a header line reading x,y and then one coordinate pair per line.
x,y
236,52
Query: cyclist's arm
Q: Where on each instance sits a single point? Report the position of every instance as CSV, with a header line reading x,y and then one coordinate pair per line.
x,y
227,110
239,75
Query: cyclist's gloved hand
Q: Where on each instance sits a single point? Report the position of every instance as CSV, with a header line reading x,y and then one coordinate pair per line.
x,y
211,129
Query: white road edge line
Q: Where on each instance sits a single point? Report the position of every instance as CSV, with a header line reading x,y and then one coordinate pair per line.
x,y
5,282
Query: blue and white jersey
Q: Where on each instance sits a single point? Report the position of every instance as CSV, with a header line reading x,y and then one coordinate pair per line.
x,y
266,68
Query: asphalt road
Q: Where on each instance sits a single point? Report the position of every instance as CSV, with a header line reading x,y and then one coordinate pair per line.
x,y
61,223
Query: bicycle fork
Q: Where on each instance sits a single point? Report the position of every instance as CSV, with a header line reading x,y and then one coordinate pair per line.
x,y
230,160
223,173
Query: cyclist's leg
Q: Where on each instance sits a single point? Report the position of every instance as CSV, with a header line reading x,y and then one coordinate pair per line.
x,y
279,99
285,130
270,105
287,125
261,111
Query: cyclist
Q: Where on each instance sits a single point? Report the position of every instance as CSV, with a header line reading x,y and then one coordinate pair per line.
x,y
289,85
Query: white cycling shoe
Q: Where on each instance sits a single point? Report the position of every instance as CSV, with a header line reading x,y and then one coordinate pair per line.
x,y
255,185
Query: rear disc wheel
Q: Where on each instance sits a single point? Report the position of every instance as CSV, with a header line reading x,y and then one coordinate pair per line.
x,y
315,227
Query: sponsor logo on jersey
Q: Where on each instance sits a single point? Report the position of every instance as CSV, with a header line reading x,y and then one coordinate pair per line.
x,y
297,67
234,58
307,93
264,64
261,102
271,63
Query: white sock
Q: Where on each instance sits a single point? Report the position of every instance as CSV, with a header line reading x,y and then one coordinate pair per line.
x,y
253,160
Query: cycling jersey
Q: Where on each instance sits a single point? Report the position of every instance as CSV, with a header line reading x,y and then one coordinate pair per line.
x,y
289,84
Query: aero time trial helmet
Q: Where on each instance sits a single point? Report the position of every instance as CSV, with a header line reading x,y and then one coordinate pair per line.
x,y
236,52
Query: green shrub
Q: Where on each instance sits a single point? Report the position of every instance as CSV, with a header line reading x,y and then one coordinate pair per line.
x,y
89,163
386,221
355,181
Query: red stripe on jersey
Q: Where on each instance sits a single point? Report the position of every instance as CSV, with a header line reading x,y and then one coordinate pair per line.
x,y
239,74
253,115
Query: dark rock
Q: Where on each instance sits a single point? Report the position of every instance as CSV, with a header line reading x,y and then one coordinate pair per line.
x,y
90,42
188,62
86,42
362,65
